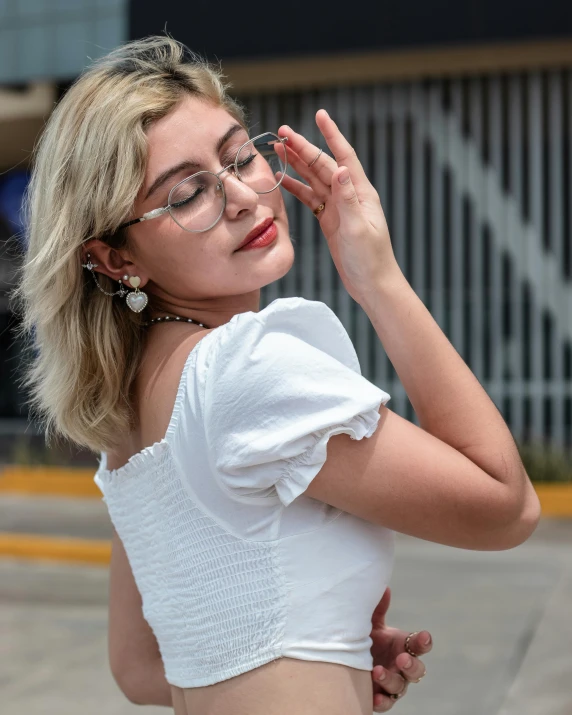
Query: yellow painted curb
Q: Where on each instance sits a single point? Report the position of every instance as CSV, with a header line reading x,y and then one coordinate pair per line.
x,y
48,548
555,499
52,481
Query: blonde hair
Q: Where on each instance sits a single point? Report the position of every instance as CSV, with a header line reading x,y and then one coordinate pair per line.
x,y
89,165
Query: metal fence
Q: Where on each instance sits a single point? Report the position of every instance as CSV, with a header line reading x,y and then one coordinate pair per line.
x,y
474,174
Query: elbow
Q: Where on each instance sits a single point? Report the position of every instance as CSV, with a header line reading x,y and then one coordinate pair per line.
x,y
128,682
527,521
144,683
517,524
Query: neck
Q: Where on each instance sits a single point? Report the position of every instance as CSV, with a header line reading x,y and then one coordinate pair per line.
x,y
210,311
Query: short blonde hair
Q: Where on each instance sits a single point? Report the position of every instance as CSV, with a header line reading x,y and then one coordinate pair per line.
x,y
89,165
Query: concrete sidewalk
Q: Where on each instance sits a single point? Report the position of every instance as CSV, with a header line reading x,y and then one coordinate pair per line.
x,y
500,622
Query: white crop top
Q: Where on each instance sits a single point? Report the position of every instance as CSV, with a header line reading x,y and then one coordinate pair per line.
x,y
235,566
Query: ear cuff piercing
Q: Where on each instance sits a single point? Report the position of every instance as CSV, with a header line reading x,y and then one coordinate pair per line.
x,y
136,300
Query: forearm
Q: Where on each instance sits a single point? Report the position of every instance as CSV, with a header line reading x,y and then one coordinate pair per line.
x,y
448,399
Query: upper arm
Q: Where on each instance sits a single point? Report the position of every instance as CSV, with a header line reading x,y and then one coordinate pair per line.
x,y
286,411
408,480
132,643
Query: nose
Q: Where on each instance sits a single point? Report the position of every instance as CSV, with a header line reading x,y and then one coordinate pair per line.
x,y
239,196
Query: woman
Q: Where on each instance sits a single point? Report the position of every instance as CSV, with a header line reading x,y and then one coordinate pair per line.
x,y
255,479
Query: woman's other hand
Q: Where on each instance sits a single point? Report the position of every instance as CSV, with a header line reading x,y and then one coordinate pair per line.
x,y
352,221
391,661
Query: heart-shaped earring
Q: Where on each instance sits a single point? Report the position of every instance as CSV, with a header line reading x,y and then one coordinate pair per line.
x,y
136,300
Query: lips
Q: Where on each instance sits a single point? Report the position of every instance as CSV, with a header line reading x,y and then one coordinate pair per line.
x,y
262,226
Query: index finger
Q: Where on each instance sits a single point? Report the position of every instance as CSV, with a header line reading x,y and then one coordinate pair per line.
x,y
343,151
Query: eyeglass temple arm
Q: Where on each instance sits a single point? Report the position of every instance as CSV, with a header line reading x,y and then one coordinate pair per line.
x,y
146,217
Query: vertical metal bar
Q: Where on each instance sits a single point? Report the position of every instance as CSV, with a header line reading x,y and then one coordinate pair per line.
x,y
397,108
535,148
436,258
556,148
417,209
397,99
342,118
363,107
309,225
380,178
457,239
476,252
417,113
517,250
498,233
291,112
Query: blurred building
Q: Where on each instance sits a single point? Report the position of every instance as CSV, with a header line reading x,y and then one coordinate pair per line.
x,y
462,116
44,45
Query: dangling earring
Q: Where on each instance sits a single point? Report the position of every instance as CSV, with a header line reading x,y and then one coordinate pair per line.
x,y
136,300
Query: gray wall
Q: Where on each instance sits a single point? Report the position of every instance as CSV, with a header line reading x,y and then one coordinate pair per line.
x,y
55,39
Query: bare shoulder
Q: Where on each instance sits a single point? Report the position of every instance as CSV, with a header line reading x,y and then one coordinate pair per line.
x,y
158,380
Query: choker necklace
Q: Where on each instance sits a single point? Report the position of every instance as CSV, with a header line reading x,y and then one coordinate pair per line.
x,y
174,318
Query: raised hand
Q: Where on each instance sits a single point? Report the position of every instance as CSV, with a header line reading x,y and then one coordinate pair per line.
x,y
352,221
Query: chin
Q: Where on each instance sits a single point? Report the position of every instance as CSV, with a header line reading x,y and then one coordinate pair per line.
x,y
279,261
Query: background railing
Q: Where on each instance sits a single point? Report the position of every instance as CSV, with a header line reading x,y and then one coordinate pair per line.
x,y
474,174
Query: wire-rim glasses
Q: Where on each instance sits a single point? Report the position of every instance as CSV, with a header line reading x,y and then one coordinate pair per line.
x,y
201,197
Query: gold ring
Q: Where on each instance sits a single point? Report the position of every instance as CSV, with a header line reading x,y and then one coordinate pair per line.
x,y
407,644
320,208
318,155
396,696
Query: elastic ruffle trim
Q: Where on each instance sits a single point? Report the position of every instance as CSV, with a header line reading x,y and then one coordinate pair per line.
x,y
301,469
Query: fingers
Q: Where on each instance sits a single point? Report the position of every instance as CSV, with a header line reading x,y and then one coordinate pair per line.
x,y
347,202
412,669
378,616
392,683
342,150
308,174
382,703
323,168
421,643
302,192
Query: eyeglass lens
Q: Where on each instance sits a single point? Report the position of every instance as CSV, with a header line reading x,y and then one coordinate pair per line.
x,y
197,203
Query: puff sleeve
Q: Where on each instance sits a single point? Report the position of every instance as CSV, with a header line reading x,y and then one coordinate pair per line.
x,y
279,384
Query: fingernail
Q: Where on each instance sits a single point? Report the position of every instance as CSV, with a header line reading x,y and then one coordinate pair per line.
x,y
382,676
428,641
408,663
344,177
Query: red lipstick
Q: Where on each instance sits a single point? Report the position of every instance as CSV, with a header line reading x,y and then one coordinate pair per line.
x,y
261,235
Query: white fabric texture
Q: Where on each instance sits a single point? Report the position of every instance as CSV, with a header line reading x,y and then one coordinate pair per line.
x,y
235,565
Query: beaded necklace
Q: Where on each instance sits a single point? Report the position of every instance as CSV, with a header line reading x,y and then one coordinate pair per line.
x,y
174,318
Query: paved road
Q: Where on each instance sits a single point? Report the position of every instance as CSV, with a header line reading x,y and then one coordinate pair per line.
x,y
500,621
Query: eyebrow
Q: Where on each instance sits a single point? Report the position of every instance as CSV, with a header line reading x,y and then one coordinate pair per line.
x,y
187,164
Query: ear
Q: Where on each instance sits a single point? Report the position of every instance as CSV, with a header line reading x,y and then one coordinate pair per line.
x,y
110,261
